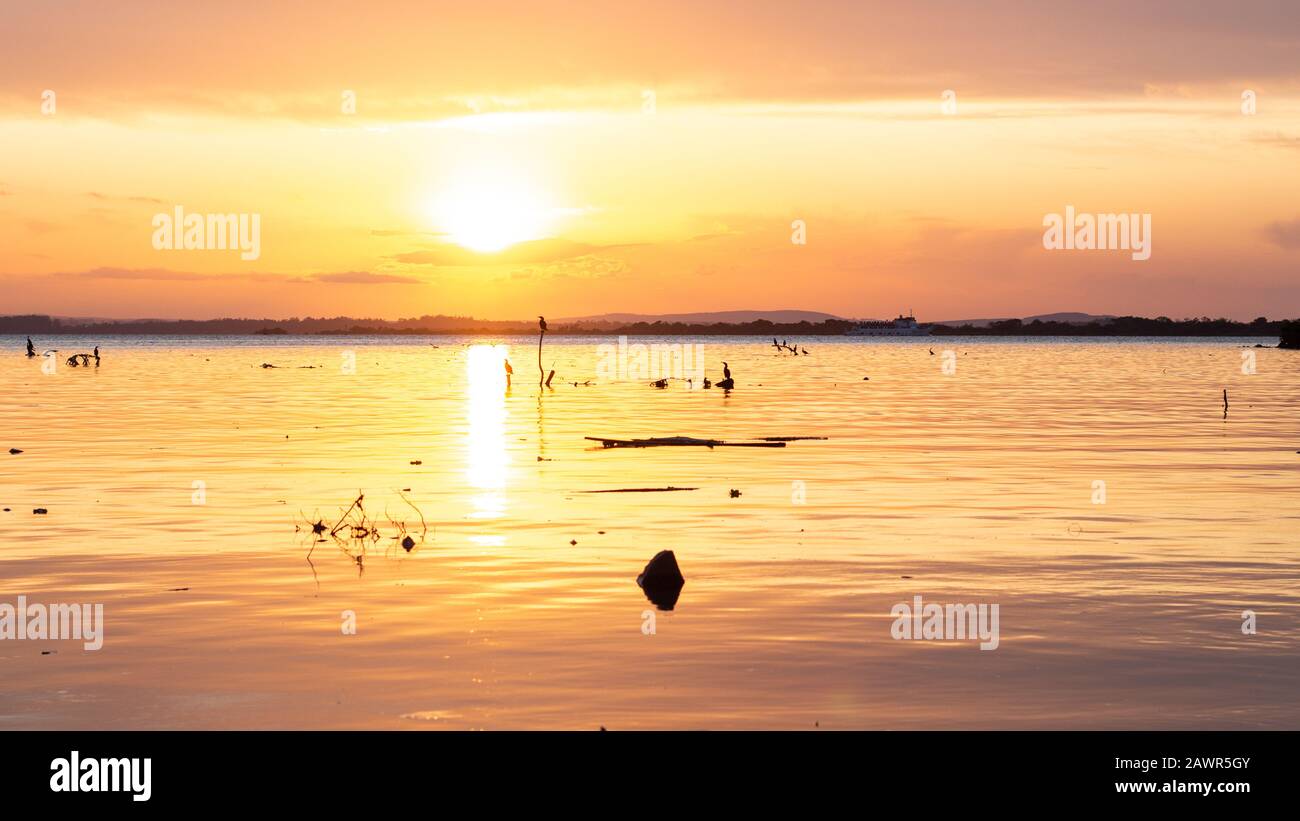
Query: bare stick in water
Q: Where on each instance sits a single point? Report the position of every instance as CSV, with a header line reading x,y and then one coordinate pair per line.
x,y
541,372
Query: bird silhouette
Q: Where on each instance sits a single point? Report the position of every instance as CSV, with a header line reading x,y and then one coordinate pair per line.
x,y
727,382
541,322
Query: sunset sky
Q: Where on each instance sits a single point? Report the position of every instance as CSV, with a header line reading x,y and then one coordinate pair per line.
x,y
507,159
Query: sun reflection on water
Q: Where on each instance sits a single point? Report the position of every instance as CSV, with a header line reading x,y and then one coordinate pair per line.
x,y
486,458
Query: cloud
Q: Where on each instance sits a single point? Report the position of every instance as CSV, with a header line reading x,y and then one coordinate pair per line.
x,y
1277,140
1284,234
418,63
364,278
163,275
523,253
151,200
585,267
389,232
167,275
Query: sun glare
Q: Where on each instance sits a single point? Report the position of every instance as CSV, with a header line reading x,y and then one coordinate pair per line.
x,y
489,213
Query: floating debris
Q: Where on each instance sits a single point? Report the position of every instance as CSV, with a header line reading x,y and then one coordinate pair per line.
x,y
791,438
15,451
735,494
668,489
40,511
416,462
355,530
678,441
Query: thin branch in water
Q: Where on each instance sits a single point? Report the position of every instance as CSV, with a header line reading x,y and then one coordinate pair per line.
x,y
355,504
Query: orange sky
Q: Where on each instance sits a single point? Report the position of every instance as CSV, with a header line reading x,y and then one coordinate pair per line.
x,y
503,159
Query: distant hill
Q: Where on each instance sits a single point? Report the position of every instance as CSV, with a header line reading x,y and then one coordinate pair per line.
x,y
703,318
1069,317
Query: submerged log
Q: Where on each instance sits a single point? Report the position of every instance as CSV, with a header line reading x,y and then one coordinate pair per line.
x,y
641,490
678,441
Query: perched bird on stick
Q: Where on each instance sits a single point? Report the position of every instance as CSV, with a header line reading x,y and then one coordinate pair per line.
x,y
727,382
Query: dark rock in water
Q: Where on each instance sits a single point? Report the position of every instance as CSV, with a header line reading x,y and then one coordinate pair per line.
x,y
408,543
662,580
1290,335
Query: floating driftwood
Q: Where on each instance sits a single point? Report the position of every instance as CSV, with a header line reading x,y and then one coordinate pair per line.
x,y
641,490
679,441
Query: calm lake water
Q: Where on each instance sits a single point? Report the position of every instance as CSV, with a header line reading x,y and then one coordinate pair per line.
x,y
180,478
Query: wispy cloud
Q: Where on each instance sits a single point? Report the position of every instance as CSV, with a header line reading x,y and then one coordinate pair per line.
x,y
1284,234
167,275
112,198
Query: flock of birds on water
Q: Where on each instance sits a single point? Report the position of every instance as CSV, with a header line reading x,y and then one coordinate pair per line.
x,y
726,383
72,360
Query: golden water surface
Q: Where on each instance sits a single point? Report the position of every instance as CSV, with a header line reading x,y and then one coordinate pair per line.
x,y
181,478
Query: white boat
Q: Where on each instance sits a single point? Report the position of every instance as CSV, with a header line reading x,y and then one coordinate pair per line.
x,y
902,326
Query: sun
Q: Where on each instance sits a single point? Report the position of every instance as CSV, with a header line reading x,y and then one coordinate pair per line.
x,y
489,212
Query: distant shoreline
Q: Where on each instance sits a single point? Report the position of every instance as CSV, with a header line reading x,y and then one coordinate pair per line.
x,y
1127,326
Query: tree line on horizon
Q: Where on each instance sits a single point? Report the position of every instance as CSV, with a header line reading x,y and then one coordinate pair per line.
x,y
425,325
